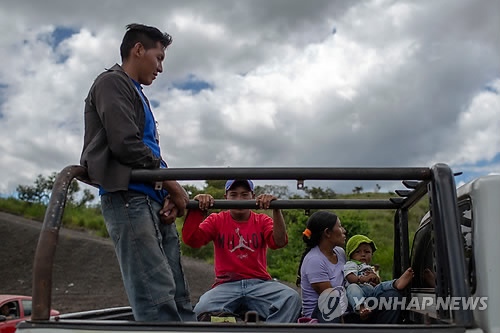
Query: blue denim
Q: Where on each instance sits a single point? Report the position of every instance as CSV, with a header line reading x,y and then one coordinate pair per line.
x,y
270,299
148,252
366,290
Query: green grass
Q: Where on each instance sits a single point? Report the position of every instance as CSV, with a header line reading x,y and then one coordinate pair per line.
x,y
89,218
282,263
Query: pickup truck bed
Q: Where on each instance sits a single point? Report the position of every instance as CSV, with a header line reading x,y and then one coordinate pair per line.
x,y
444,227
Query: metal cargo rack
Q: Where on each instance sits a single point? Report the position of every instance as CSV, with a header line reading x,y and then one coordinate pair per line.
x,y
436,181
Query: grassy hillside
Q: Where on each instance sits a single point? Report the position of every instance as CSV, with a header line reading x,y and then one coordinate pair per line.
x,y
282,263
88,218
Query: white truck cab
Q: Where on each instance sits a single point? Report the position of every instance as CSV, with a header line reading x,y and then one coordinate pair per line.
x,y
482,196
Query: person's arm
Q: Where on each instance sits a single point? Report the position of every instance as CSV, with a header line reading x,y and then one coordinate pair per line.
x,y
319,287
279,229
196,232
176,202
352,278
315,271
114,103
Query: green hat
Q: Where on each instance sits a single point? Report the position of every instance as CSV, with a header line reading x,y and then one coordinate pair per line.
x,y
356,241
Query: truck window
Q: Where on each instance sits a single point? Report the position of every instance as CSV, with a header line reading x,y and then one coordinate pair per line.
x,y
423,259
27,304
10,310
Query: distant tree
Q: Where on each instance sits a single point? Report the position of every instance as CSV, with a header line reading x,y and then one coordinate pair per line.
x,y
377,188
280,192
357,189
86,198
192,190
215,188
319,193
41,190
38,193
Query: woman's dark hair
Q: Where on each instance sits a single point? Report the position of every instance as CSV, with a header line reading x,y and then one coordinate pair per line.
x,y
146,35
317,223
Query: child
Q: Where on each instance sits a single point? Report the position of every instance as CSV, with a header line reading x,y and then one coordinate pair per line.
x,y
362,282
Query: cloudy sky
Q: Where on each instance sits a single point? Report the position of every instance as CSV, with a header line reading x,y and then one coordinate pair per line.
x,y
263,82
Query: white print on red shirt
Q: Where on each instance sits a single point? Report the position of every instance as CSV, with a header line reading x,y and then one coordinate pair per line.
x,y
242,244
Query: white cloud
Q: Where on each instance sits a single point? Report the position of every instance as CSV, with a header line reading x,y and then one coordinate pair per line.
x,y
398,84
477,131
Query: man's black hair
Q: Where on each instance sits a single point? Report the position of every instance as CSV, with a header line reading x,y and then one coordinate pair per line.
x,y
146,35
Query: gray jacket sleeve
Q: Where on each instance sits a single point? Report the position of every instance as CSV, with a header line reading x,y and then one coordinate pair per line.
x,y
115,106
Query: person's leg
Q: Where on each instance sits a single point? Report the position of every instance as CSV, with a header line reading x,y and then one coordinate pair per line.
x,y
356,293
272,300
383,286
147,277
226,297
170,243
391,315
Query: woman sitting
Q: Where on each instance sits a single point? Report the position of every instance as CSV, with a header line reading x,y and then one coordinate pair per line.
x,y
322,264
321,275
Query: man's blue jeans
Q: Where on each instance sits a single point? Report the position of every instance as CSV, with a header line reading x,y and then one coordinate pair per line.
x,y
270,299
149,256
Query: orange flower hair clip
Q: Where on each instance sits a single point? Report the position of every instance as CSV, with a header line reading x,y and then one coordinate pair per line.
x,y
307,233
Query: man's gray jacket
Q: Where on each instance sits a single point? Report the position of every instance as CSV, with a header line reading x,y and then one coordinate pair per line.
x,y
114,129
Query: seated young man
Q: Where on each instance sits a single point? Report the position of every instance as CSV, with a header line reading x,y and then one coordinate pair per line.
x,y
240,239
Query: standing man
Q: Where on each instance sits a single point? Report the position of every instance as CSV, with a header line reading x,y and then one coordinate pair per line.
x,y
121,135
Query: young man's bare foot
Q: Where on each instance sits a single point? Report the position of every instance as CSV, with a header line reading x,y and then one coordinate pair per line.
x,y
404,280
364,313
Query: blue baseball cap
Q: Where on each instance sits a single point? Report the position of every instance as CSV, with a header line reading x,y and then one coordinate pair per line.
x,y
231,182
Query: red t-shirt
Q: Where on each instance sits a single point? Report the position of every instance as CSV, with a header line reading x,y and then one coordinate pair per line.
x,y
240,247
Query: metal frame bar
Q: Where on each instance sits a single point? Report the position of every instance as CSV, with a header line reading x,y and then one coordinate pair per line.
x,y
401,260
449,245
303,204
46,247
281,173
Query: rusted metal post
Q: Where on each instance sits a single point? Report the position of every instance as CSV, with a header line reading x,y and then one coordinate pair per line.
x,y
46,248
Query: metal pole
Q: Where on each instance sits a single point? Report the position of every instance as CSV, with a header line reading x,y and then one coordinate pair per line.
x,y
281,173
449,245
302,204
44,255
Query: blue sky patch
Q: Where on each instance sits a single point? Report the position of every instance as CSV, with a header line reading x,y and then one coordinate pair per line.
x,y
193,84
469,173
491,89
61,33
154,103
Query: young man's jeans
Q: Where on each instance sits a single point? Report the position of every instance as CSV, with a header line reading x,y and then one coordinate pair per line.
x,y
149,256
357,292
270,299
